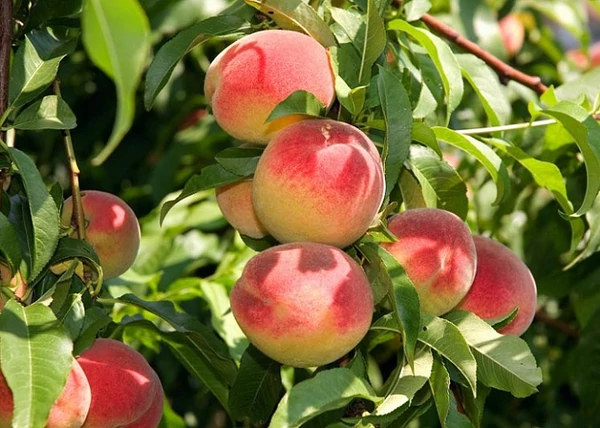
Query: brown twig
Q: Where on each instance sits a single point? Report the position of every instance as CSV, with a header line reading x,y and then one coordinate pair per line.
x,y
542,316
78,217
504,71
6,11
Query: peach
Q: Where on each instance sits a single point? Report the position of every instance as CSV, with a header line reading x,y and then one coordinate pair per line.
x,y
303,304
112,230
502,283
247,80
15,282
319,181
125,389
69,410
235,202
437,252
512,32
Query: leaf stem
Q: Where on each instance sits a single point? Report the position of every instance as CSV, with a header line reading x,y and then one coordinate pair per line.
x,y
78,218
511,127
504,71
6,11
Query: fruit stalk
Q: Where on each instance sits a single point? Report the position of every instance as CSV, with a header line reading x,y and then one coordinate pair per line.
x,y
504,71
78,215
5,46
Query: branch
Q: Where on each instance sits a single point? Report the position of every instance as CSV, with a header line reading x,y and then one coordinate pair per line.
x,y
6,12
504,71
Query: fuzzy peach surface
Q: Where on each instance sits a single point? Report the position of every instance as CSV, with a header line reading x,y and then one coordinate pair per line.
x,y
303,304
112,229
247,80
436,249
69,410
124,386
502,283
235,202
319,181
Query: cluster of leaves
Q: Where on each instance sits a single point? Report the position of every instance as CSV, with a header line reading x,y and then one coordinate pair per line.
x,y
534,188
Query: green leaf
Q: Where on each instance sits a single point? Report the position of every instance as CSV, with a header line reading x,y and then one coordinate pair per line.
x,y
257,387
296,15
30,74
299,102
9,244
50,112
328,390
36,360
441,185
72,315
95,320
192,339
588,84
484,154
503,361
439,382
116,37
408,383
415,9
53,42
170,53
586,132
447,340
443,58
474,405
367,34
403,296
586,371
240,161
210,176
546,175
487,87
397,115
40,214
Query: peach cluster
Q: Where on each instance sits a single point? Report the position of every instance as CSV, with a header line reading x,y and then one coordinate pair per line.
x,y
317,188
110,385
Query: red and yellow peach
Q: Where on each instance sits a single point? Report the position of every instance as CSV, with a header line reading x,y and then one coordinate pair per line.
x,y
303,304
235,202
436,249
247,80
319,181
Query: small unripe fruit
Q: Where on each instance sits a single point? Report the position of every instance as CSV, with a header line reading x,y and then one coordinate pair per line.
x,y
69,410
436,249
126,392
112,230
235,202
247,80
502,283
303,304
15,282
319,181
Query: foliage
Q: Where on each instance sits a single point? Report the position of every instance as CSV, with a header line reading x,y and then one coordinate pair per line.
x,y
126,79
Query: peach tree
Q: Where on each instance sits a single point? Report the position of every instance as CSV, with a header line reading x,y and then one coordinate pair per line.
x,y
330,213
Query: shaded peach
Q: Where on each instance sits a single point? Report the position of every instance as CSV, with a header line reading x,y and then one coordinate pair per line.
x,y
436,249
14,282
250,77
319,181
69,410
502,283
124,387
235,202
512,32
112,229
303,304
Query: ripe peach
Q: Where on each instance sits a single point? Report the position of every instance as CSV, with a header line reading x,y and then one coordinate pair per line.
x,y
15,282
125,389
303,304
69,410
512,32
249,78
112,229
502,282
319,181
436,249
235,202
